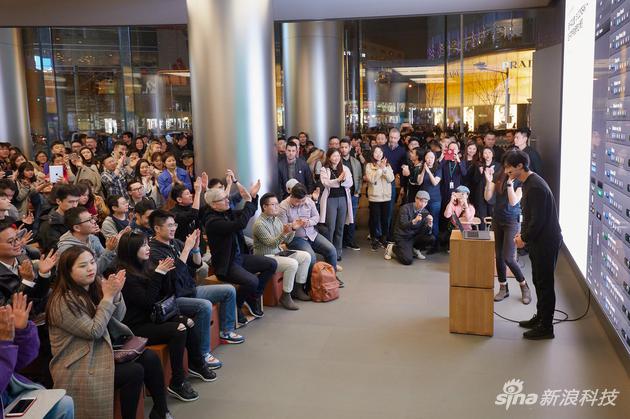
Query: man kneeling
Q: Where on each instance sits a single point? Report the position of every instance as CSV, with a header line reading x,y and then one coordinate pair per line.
x,y
413,231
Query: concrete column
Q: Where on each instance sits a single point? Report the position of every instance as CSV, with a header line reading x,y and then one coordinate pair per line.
x,y
14,122
312,58
232,86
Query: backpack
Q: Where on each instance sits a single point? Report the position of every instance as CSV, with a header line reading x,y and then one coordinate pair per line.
x,y
324,285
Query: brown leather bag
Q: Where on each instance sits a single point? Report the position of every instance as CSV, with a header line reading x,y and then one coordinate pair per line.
x,y
324,285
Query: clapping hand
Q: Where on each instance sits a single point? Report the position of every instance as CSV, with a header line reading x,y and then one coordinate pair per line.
x,y
7,324
25,270
244,193
287,228
21,310
166,265
253,190
405,170
315,194
47,262
198,185
342,176
113,284
204,180
26,238
488,173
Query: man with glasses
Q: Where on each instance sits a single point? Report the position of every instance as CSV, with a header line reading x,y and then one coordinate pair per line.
x,y
269,235
193,301
135,190
231,257
17,273
82,230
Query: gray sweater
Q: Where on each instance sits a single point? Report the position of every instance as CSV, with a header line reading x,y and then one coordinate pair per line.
x,y
104,257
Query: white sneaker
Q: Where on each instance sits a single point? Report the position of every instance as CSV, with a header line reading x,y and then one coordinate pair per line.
x,y
389,251
418,255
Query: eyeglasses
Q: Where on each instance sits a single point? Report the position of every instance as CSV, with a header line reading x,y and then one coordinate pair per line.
x,y
139,188
174,225
92,219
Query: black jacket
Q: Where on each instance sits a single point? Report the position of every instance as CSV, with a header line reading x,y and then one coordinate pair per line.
x,y
540,226
302,175
50,230
187,219
141,294
405,230
222,229
182,278
11,283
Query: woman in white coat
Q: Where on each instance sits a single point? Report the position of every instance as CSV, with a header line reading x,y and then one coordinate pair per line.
x,y
335,199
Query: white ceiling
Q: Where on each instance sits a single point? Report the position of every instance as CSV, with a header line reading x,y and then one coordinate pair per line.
x,y
160,12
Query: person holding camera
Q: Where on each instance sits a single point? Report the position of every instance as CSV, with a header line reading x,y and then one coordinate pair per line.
x,y
459,206
413,231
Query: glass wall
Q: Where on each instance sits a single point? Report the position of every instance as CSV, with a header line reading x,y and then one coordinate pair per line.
x,y
105,80
464,72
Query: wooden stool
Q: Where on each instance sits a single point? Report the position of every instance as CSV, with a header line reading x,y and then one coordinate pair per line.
x,y
273,290
215,327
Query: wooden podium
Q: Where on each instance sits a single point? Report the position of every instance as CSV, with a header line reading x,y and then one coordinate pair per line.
x,y
471,299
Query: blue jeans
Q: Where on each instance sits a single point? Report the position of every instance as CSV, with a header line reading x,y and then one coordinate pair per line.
x,y
320,245
392,206
64,409
348,231
434,206
200,308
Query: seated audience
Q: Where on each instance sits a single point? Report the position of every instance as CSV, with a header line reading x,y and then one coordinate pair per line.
x,y
299,211
172,175
145,285
140,221
84,317
19,346
118,219
231,257
53,225
193,301
269,235
82,230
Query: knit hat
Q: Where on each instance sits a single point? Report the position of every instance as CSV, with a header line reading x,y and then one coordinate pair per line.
x,y
291,183
423,195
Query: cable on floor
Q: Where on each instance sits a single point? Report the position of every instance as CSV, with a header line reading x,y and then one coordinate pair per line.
x,y
556,320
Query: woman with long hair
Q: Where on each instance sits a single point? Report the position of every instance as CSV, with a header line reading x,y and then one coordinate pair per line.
x,y
335,199
412,173
147,175
379,175
172,175
429,180
483,208
84,314
83,168
145,285
506,193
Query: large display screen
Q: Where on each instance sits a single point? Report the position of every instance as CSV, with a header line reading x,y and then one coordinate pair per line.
x,y
595,160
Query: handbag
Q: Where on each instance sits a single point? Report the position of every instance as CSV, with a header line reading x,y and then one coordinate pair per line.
x,y
130,350
164,310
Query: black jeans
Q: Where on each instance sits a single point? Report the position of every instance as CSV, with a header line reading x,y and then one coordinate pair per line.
x,y
544,256
404,247
243,272
379,214
177,341
128,378
505,249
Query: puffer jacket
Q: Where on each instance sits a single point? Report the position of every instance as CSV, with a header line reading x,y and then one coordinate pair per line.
x,y
379,183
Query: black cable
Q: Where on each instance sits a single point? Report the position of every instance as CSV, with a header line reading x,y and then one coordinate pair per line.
x,y
555,320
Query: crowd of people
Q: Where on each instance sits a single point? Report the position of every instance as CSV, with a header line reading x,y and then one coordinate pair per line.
x,y
119,245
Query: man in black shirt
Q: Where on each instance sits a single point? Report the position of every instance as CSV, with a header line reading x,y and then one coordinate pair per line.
x,y
520,141
540,230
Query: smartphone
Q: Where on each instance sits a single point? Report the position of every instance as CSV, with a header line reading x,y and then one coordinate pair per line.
x,y
8,173
449,155
20,407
